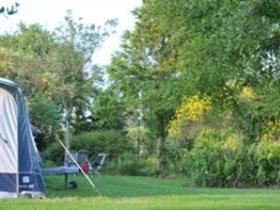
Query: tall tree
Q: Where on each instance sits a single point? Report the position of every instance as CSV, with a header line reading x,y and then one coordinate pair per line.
x,y
24,58
76,78
56,69
145,72
182,48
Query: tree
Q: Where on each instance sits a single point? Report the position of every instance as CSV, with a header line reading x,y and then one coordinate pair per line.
x,y
108,110
226,53
56,69
138,135
145,74
24,61
186,48
76,79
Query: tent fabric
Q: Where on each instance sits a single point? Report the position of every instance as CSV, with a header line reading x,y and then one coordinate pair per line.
x,y
20,163
8,142
8,132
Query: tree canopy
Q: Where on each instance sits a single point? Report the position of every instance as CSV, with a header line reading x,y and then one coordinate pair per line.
x,y
227,51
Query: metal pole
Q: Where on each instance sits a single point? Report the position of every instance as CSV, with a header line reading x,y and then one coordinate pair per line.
x,y
77,164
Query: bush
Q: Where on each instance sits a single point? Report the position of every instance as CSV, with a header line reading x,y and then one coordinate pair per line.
x,y
147,166
112,142
175,152
217,160
54,153
265,157
128,164
221,159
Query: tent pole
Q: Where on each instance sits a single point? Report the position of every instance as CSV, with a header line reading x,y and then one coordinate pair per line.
x,y
65,180
17,174
77,164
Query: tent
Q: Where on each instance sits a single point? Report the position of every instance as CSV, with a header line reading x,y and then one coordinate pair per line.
x,y
20,163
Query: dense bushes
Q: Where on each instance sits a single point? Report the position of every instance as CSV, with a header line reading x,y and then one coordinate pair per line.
x,y
128,164
122,155
221,159
112,142
266,160
53,155
216,159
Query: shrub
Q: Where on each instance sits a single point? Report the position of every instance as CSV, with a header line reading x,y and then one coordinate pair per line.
x,y
112,142
128,164
147,166
221,159
175,152
54,153
205,160
217,159
266,159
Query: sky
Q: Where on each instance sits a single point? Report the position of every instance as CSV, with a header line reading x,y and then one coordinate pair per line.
x,y
50,14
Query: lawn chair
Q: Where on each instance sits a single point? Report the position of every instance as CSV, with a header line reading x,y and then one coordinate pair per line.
x,y
98,163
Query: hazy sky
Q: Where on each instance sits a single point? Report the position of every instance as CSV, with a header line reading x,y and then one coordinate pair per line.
x,y
50,13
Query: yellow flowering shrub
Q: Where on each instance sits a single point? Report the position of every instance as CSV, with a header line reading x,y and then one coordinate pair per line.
x,y
232,143
248,94
272,131
192,110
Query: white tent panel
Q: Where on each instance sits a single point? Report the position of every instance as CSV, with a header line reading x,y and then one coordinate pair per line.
x,y
8,133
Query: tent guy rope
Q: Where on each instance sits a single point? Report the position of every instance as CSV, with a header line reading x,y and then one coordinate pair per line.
x,y
77,164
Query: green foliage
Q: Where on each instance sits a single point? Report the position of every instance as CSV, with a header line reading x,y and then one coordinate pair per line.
x,y
108,110
147,166
212,48
53,154
144,73
138,136
59,78
222,159
44,111
266,159
33,39
226,51
217,159
176,152
128,164
112,142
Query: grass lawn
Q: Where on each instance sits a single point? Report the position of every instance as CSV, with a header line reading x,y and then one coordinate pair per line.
x,y
143,193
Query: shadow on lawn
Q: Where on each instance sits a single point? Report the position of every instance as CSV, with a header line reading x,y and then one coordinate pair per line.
x,y
128,186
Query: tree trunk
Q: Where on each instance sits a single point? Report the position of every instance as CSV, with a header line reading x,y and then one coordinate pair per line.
x,y
159,157
162,120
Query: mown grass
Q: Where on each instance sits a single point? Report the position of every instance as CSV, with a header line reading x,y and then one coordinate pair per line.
x,y
144,193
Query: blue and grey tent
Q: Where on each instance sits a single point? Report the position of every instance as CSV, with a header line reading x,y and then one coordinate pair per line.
x,y
20,163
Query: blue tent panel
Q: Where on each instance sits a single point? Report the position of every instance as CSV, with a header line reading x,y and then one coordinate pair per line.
x,y
8,182
21,172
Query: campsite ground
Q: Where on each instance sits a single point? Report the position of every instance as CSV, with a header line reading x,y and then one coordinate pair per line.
x,y
122,192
